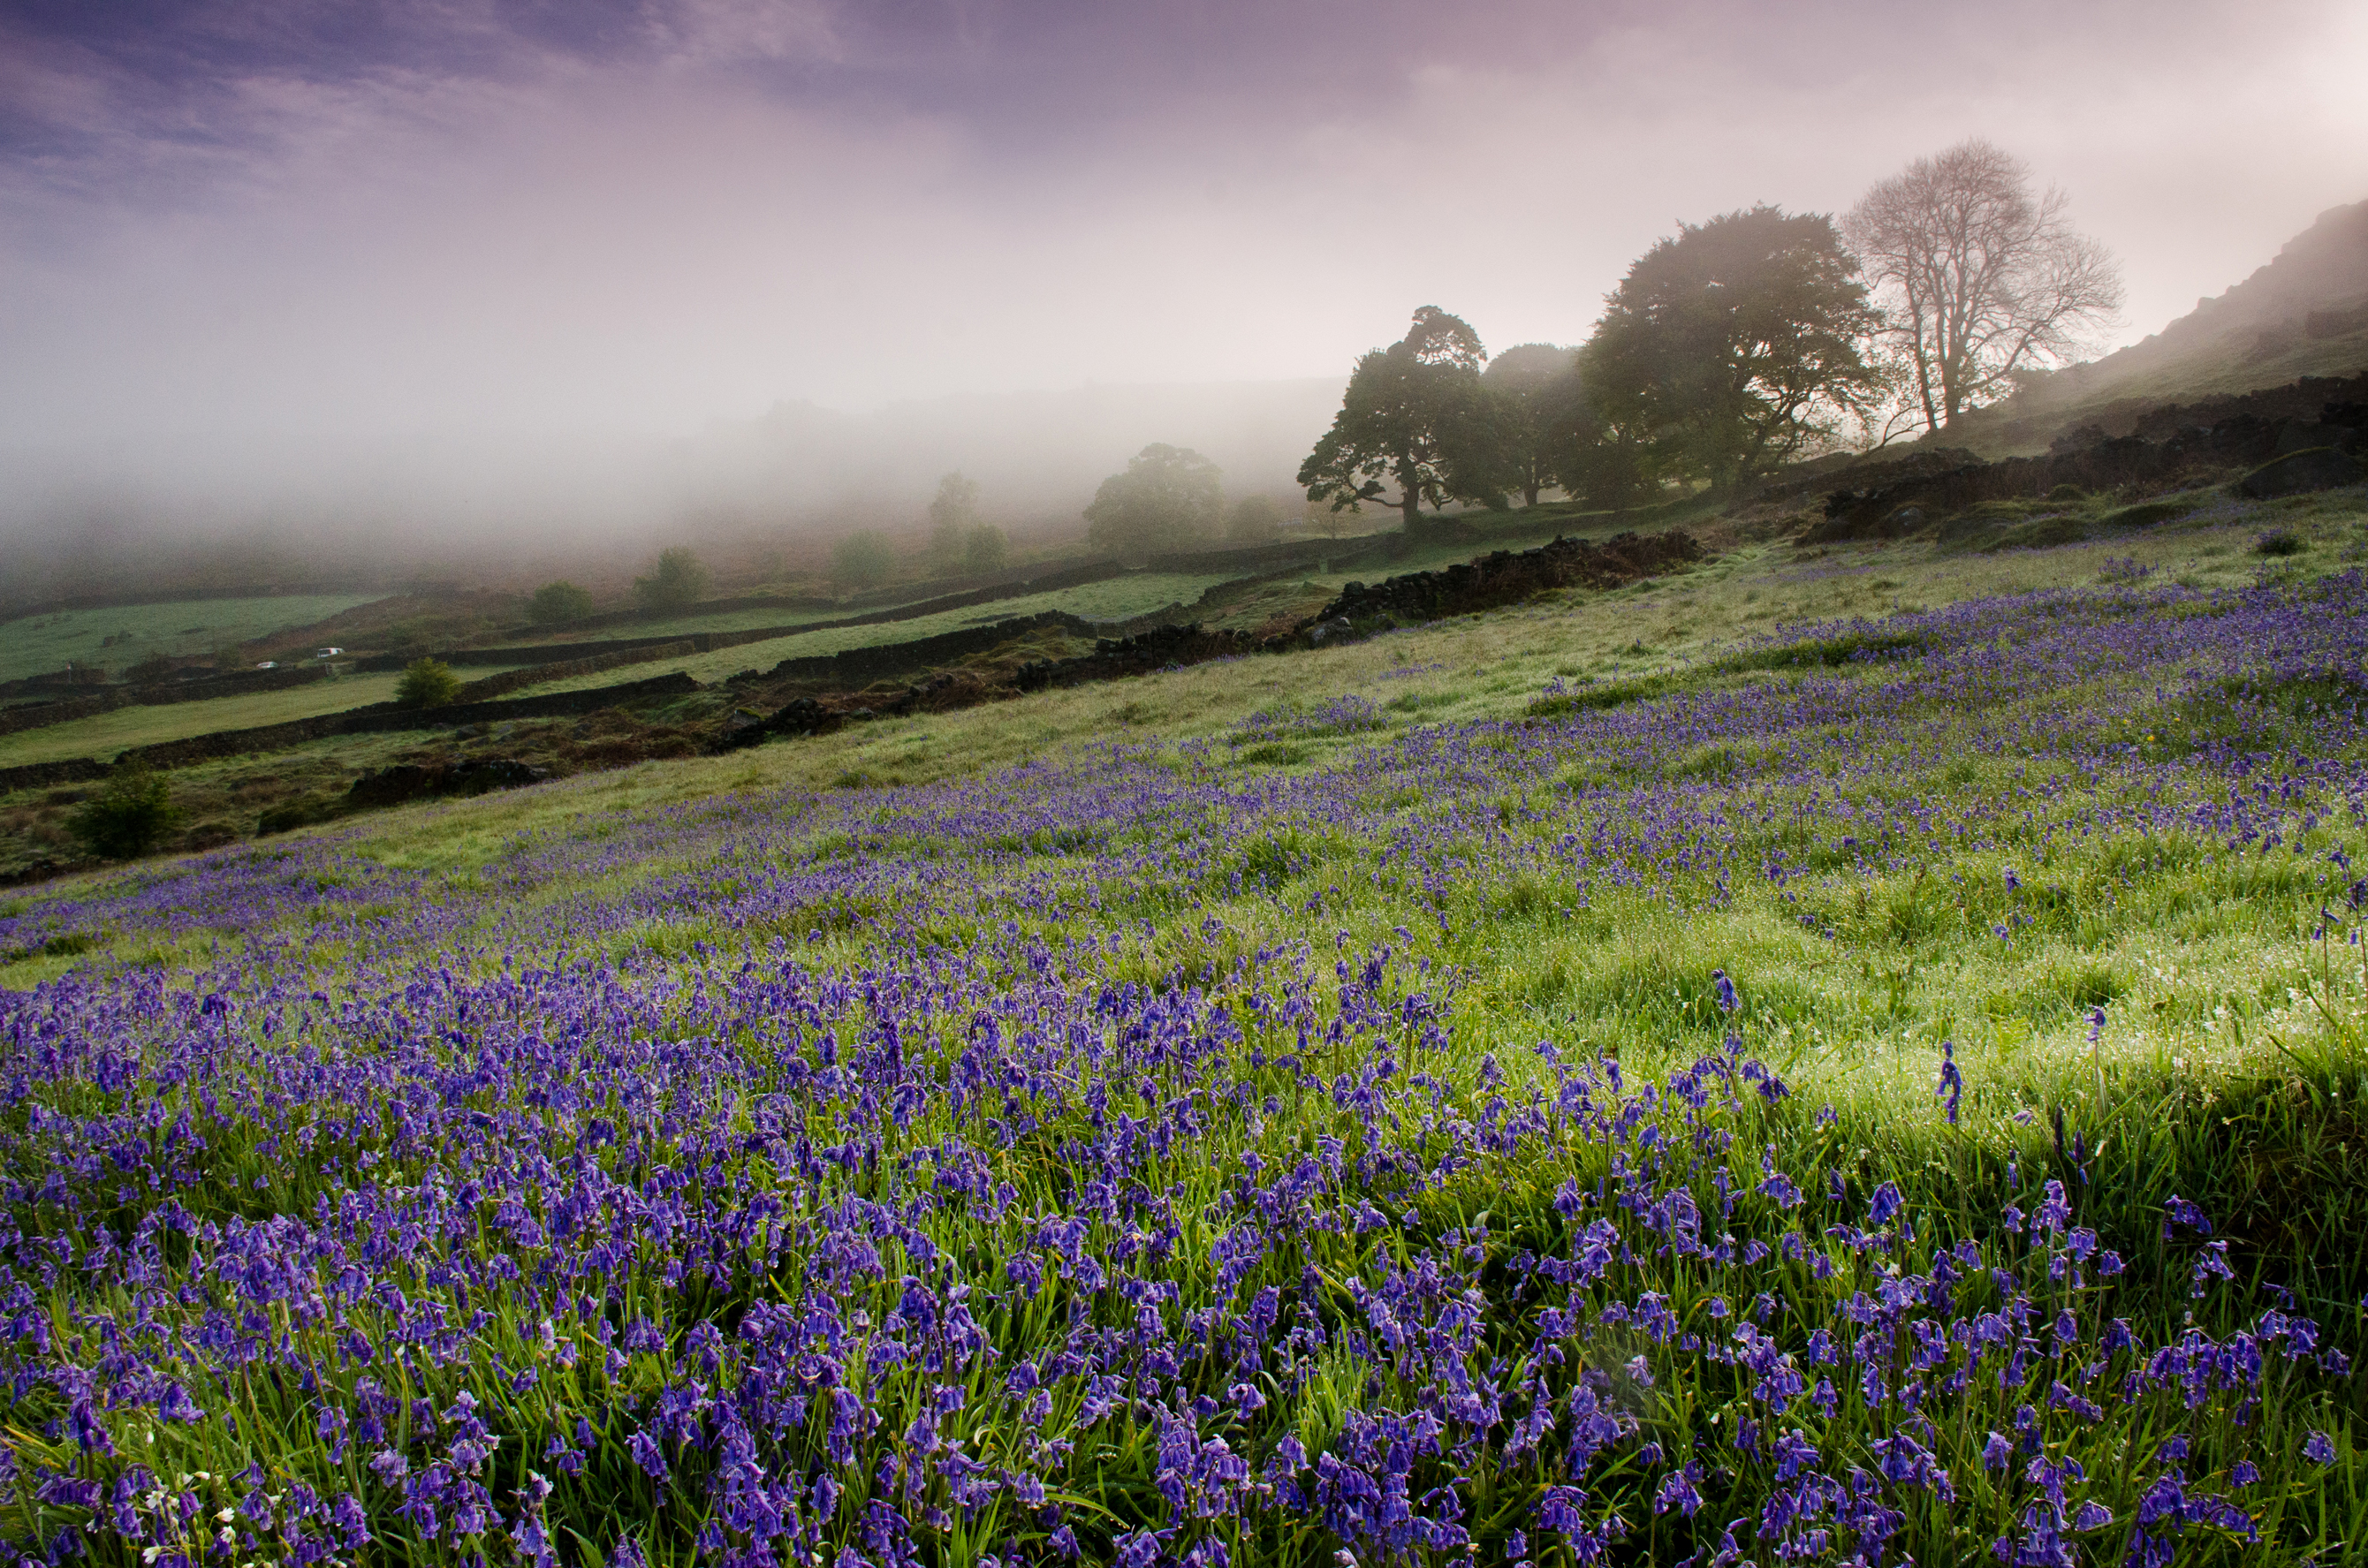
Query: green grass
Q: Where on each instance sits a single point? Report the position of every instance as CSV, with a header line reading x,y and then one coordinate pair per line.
x,y
685,625
38,644
1115,599
104,734
2232,1067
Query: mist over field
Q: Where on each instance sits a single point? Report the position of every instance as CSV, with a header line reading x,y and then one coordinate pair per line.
x,y
1190,784
545,501
504,284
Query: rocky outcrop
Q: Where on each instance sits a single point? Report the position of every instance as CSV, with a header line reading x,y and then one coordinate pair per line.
x,y
1895,509
2313,468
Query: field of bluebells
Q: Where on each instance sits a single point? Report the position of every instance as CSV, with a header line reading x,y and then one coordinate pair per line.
x,y
1137,1159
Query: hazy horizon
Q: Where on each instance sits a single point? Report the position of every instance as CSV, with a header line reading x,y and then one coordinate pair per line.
x,y
308,265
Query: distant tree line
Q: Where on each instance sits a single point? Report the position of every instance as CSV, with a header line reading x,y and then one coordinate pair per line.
x,y
1731,349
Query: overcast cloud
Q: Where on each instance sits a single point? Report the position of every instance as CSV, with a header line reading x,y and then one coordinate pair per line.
x,y
309,249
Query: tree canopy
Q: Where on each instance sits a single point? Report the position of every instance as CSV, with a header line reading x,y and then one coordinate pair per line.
x,y
1168,498
1255,519
1737,345
984,549
680,579
558,602
1535,391
1982,277
862,560
1415,416
953,517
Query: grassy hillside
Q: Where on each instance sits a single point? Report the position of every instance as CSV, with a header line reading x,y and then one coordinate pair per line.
x,y
2304,314
104,734
1855,1051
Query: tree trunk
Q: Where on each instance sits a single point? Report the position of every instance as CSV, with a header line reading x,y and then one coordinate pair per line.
x,y
1409,492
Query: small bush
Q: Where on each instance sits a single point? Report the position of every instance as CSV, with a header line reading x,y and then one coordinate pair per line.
x,y
984,549
427,683
558,602
2279,541
126,819
862,560
680,579
1255,519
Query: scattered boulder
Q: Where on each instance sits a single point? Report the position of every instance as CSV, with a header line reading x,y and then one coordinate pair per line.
x,y
2296,436
1336,629
2297,473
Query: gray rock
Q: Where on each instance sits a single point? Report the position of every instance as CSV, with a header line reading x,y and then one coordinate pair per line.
x,y
2295,436
2321,468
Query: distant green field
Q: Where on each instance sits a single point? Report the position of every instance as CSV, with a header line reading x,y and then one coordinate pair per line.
x,y
37,644
1116,599
104,734
688,625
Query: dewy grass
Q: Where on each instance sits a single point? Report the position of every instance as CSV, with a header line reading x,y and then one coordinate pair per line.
x,y
1898,1101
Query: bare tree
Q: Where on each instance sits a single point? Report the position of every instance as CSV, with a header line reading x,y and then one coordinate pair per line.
x,y
1981,277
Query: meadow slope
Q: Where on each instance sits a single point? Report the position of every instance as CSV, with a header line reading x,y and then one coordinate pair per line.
x,y
1833,1058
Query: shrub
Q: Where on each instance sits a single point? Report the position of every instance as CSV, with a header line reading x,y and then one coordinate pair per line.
x,y
985,550
427,683
556,602
680,579
1255,519
862,560
2279,541
127,818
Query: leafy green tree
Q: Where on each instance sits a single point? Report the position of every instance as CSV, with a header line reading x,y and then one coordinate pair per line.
x,y
1169,498
427,683
1736,346
862,560
1415,415
555,603
127,818
1255,519
984,549
953,518
680,579
1535,396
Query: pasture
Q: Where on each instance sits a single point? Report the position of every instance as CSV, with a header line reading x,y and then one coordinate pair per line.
x,y
122,636
1828,1057
104,734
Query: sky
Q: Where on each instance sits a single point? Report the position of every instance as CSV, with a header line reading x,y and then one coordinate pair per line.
x,y
283,250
